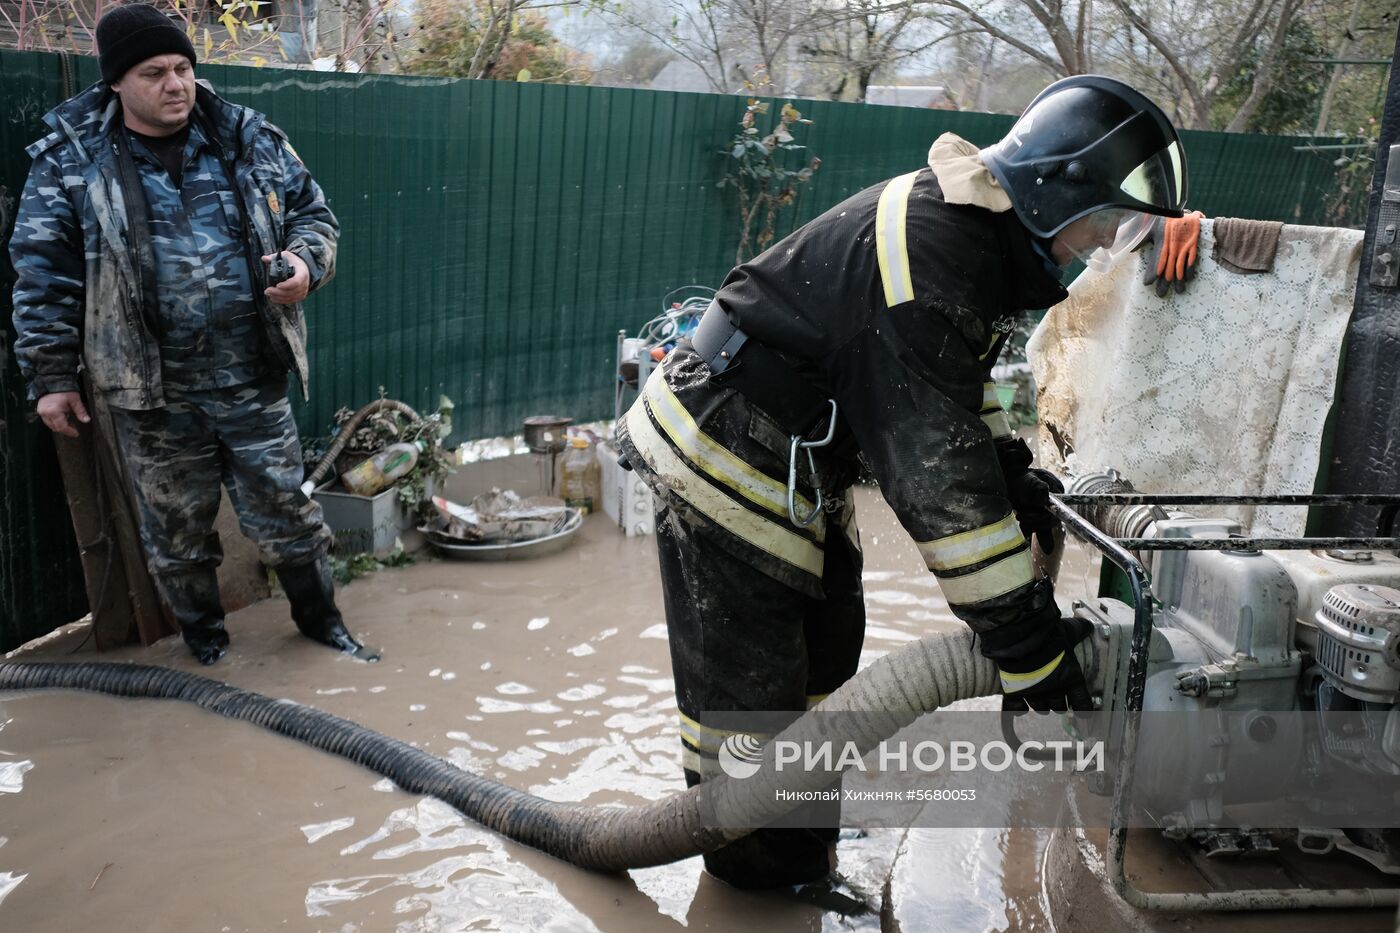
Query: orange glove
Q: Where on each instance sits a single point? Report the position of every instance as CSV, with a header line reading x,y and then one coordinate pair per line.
x,y
1176,242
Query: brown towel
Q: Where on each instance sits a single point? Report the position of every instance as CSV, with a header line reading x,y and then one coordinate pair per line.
x,y
1246,246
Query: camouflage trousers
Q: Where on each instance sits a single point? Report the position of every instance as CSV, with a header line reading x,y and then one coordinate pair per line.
x,y
242,438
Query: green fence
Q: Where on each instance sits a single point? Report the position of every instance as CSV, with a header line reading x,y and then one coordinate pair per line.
x,y
497,235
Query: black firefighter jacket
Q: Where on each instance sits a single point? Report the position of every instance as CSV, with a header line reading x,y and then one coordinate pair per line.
x,y
891,303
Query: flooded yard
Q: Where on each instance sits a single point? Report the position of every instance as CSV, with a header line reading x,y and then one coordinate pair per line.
x,y
549,675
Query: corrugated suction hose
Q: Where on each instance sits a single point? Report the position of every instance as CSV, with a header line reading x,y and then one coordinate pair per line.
x,y
889,694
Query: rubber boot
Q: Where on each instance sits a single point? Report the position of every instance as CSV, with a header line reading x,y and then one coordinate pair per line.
x,y
311,592
193,598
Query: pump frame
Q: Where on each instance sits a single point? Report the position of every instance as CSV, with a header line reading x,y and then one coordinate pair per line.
x,y
1125,727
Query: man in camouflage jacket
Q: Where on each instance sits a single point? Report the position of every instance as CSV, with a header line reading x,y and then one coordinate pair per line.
x,y
142,248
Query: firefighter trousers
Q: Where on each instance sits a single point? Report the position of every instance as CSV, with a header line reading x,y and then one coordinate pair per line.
x,y
741,641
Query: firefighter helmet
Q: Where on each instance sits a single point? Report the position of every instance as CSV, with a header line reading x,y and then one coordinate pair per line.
x,y
1088,144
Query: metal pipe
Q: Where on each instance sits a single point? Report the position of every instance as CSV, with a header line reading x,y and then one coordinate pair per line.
x,y
1259,544
1143,498
1125,727
1262,899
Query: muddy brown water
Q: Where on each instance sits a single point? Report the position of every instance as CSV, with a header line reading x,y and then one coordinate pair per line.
x,y
551,676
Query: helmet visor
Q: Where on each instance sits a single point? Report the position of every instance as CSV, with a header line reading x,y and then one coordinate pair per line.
x,y
1159,182
1112,234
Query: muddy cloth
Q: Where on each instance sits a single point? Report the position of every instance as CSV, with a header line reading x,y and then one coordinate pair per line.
x,y
1222,389
891,303
178,456
1246,246
741,641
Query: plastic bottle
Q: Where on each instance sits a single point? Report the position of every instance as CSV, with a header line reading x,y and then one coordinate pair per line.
x,y
369,477
582,481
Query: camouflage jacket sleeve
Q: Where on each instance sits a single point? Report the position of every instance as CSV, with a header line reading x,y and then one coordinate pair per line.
x,y
47,252
311,228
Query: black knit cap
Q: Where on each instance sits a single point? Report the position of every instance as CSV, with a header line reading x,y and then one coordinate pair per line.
x,y
128,35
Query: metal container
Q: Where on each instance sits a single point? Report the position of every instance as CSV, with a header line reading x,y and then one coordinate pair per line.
x,y
515,550
368,524
546,434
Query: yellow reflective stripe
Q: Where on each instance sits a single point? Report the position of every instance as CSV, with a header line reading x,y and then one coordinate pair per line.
x,y
696,732
998,423
718,461
993,415
970,547
1010,682
707,738
989,582
695,489
890,245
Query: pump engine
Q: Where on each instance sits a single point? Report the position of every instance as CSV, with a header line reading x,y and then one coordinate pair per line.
x,y
1251,637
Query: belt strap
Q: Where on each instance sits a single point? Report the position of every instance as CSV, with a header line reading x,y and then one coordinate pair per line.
x,y
758,373
716,339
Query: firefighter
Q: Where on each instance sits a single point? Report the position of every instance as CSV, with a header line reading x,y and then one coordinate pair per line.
x,y
869,333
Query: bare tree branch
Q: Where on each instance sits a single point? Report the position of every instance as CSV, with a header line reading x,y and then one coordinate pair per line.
x,y
1268,68
1199,100
1056,67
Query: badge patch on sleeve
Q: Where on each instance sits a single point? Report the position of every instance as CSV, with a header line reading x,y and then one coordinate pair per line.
x,y
272,203
293,152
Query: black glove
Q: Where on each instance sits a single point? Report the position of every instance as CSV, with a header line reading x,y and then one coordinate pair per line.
x,y
1029,490
1035,656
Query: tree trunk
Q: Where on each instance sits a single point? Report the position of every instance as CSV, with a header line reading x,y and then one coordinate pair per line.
x,y
982,102
1343,48
1268,67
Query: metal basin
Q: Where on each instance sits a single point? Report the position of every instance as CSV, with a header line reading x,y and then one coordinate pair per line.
x,y
515,550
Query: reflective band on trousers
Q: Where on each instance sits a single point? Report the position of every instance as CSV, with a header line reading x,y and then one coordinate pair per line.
x,y
890,245
991,581
714,504
1010,682
715,459
700,744
971,547
701,736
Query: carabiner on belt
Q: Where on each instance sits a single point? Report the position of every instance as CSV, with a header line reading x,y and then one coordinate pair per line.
x,y
799,444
